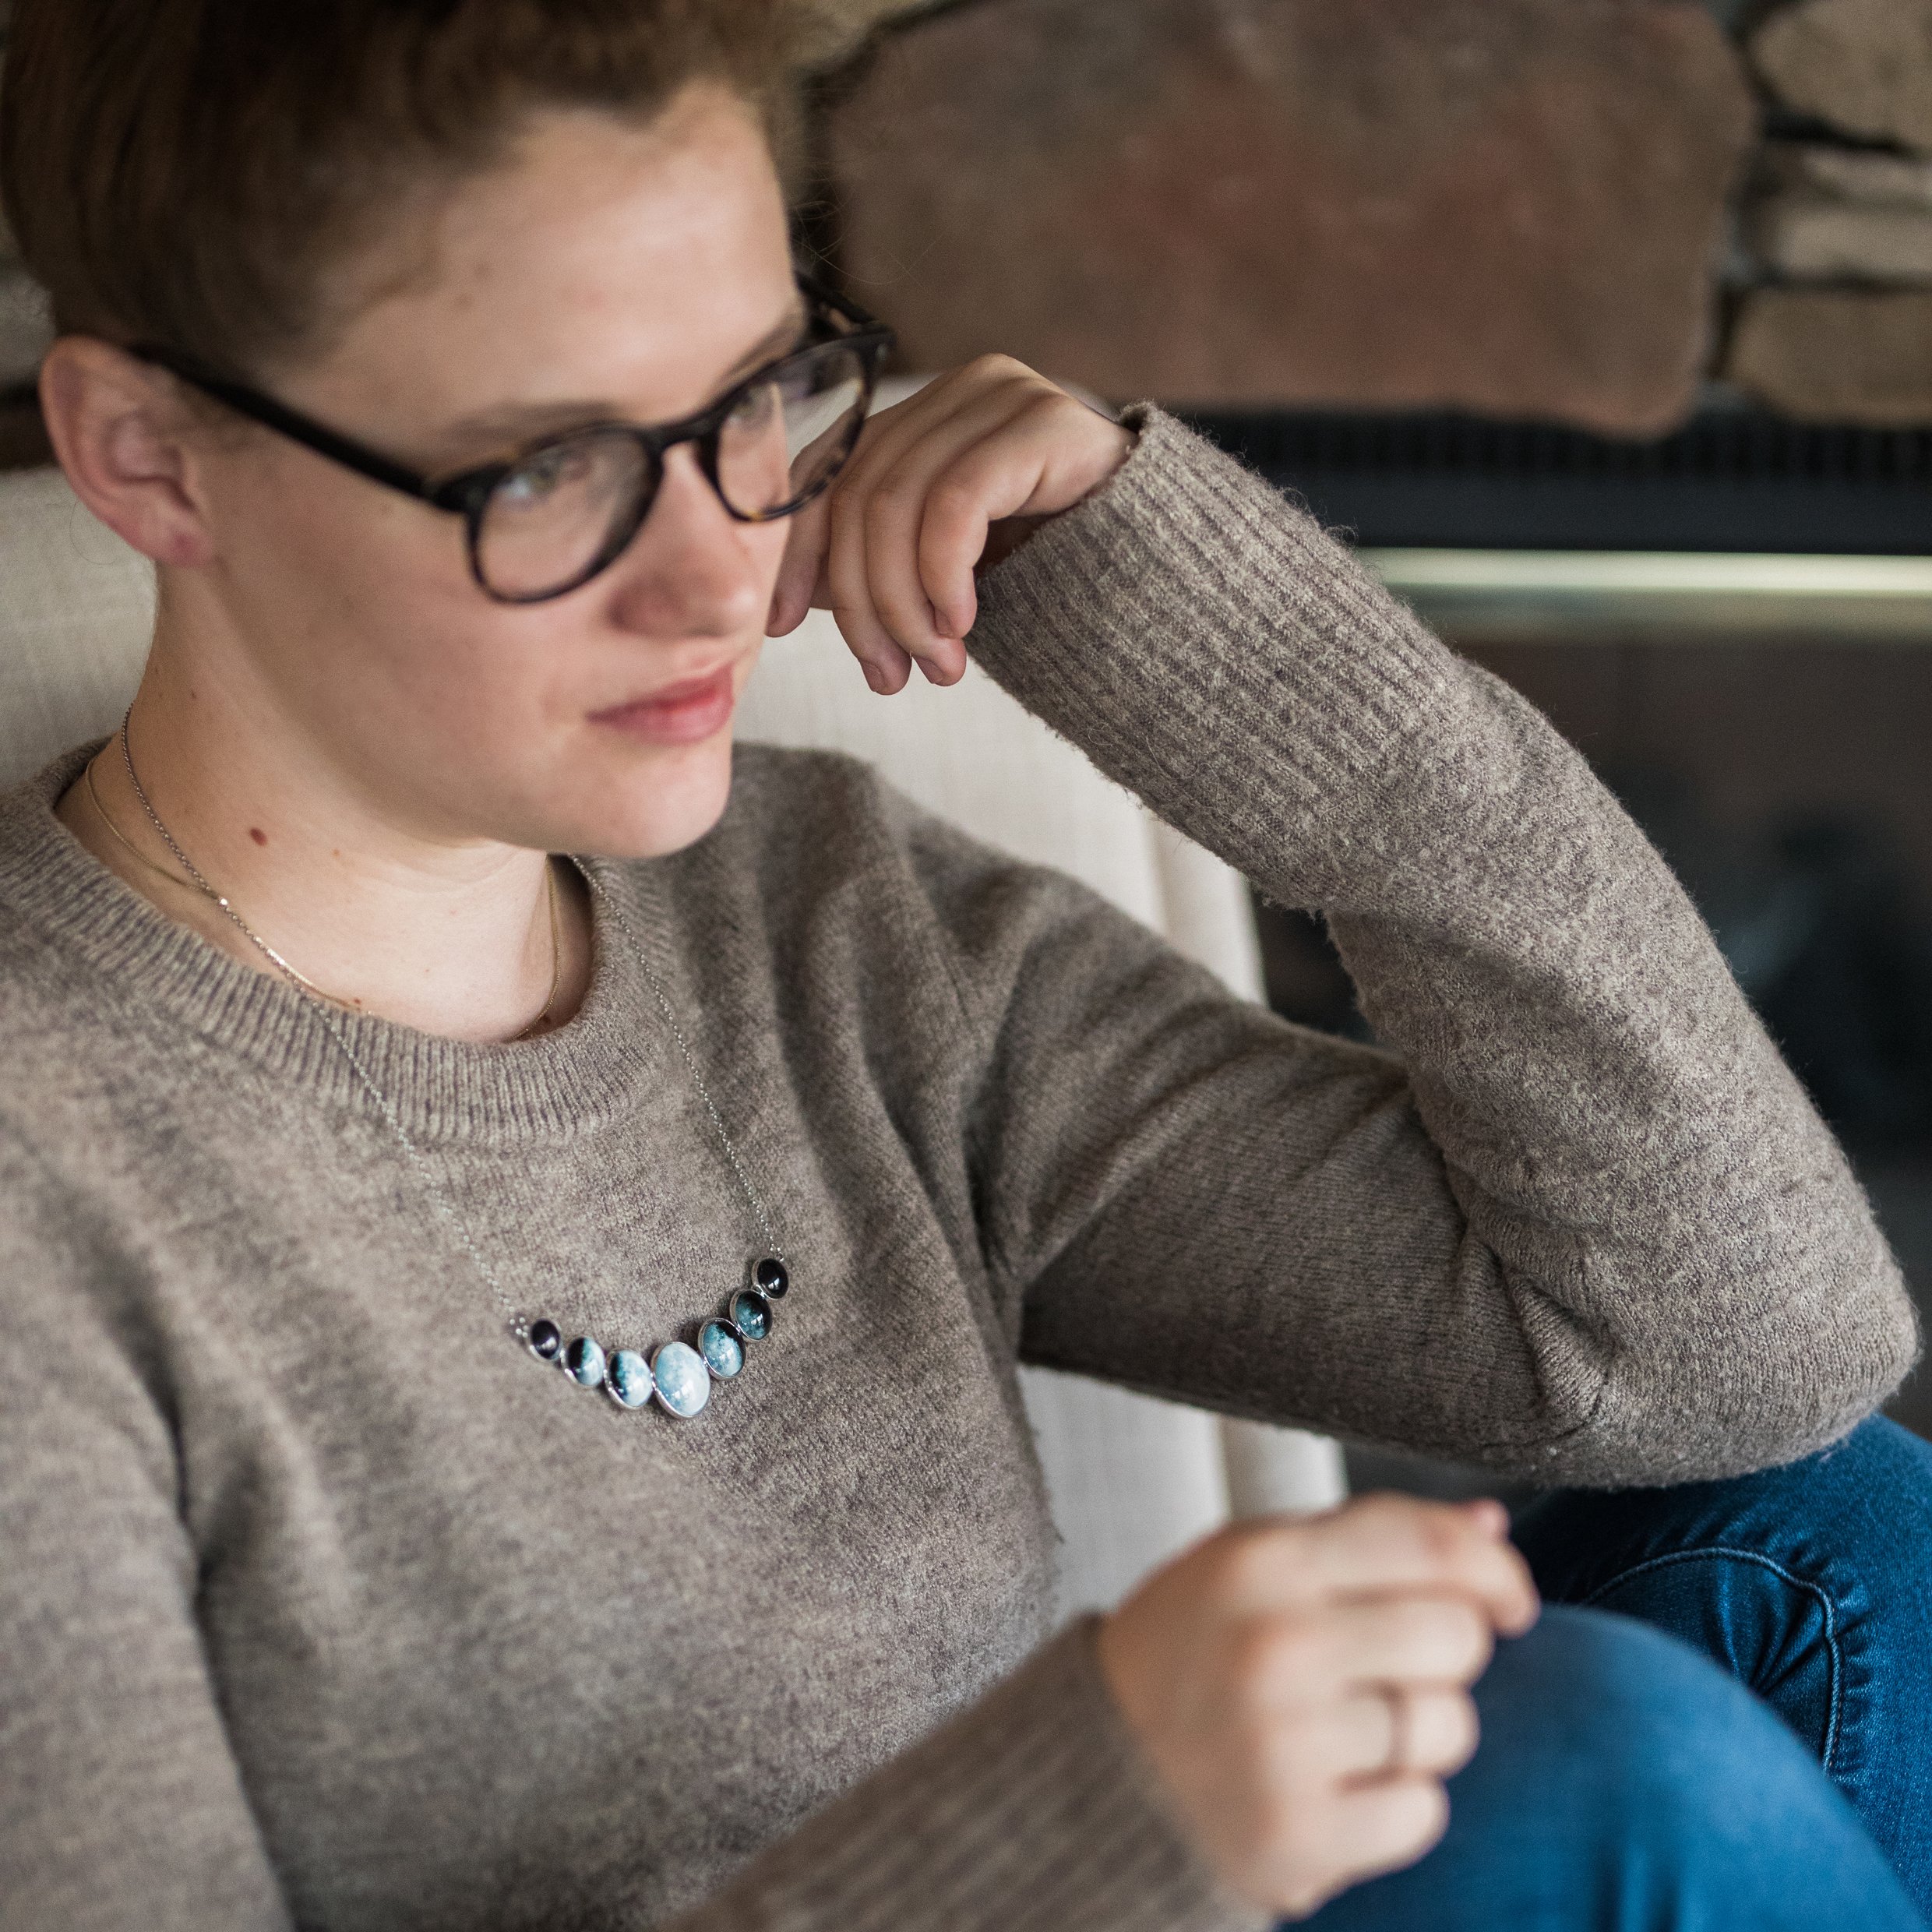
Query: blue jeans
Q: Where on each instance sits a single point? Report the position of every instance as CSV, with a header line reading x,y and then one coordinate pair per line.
x,y
1624,1785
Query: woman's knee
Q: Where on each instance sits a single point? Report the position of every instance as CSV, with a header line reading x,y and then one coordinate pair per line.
x,y
1624,1781
1811,1583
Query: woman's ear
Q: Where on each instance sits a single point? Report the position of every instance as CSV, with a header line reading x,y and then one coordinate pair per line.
x,y
119,433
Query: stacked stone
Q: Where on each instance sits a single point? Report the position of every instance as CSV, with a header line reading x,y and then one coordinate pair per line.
x,y
1516,207
1512,206
1839,222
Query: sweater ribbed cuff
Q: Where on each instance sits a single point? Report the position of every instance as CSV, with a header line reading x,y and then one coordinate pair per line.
x,y
1033,1811
1186,604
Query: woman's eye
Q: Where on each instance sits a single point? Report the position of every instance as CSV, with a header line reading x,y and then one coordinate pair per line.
x,y
541,477
756,406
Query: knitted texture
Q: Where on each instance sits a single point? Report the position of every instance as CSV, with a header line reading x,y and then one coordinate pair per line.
x,y
324,1604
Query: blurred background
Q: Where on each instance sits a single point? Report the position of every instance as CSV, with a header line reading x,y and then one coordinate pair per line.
x,y
1604,327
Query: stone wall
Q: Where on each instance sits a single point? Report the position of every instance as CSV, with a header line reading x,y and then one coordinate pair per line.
x,y
1581,209
1510,205
1576,210
1837,321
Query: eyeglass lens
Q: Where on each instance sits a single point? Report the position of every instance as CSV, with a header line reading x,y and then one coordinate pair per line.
x,y
565,511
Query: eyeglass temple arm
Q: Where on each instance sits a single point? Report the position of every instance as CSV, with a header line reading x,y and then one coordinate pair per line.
x,y
865,322
265,409
451,493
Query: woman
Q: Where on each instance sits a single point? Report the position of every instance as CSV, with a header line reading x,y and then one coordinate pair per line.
x,y
339,1115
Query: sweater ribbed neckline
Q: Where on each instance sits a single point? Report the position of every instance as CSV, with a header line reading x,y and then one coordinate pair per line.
x,y
163,974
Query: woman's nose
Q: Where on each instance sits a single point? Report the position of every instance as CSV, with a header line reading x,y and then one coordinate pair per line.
x,y
693,570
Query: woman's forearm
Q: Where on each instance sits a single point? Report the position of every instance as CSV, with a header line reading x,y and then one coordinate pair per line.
x,y
1654,1221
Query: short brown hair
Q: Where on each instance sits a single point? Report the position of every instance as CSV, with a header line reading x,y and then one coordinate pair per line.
x,y
187,170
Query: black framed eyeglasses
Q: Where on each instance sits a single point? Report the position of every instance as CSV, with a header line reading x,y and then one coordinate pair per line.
x,y
548,517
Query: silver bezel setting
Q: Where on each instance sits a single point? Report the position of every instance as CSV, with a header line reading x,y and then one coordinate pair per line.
x,y
522,1328
656,1386
771,1313
610,1379
736,1334
570,1374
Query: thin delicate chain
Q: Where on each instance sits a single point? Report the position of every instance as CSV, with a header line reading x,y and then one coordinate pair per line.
x,y
516,1317
518,1322
300,979
690,1060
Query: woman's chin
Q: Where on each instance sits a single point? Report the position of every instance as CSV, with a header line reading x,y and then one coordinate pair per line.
x,y
650,814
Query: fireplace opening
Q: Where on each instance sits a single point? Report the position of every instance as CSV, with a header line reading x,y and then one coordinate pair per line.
x,y
1773,747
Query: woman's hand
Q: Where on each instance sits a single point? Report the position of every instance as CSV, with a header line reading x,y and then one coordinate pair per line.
x,y
1301,1686
951,479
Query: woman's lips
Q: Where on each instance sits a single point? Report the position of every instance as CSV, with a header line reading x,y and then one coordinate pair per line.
x,y
679,714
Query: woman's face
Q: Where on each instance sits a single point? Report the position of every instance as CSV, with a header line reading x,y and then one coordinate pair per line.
x,y
609,271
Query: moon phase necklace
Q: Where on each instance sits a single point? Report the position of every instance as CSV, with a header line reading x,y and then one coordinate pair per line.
x,y
677,1375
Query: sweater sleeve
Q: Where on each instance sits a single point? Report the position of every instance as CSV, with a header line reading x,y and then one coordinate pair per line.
x,y
1579,1219
122,1803
1031,1811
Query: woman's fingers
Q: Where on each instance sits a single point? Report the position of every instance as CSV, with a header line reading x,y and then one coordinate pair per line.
x,y
1306,1659
848,592
876,538
1302,1688
800,572
1379,1545
1439,1730
1424,1640
1383,1826
844,583
973,455
1396,1730
992,454
1346,1836
1051,452
805,580
908,519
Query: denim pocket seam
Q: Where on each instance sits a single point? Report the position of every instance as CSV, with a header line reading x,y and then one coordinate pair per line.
x,y
1816,1592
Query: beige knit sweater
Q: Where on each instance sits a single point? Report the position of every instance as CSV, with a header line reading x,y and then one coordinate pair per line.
x,y
323,1603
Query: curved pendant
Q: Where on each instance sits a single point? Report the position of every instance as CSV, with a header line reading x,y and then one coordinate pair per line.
x,y
723,1348
583,1362
679,1375
683,1382
627,1378
751,1314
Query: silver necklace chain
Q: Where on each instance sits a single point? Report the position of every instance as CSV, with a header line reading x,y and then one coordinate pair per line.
x,y
519,1322
691,1062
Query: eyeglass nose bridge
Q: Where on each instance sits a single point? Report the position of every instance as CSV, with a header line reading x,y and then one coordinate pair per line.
x,y
656,445
705,432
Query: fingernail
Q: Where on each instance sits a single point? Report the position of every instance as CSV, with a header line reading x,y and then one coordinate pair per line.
x,y
925,668
874,676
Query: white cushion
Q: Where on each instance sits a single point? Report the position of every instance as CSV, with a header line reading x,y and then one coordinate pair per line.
x,y
1132,1479
76,611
